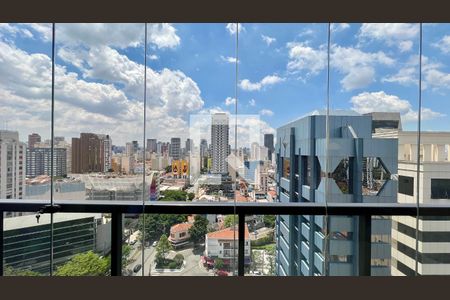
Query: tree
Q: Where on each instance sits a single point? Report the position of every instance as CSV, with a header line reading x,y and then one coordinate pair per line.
x,y
162,249
126,250
158,224
269,221
173,196
199,229
218,264
168,169
10,271
228,221
178,259
191,196
84,264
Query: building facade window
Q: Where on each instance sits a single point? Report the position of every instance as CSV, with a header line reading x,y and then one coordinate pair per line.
x,y
342,176
406,185
286,167
440,188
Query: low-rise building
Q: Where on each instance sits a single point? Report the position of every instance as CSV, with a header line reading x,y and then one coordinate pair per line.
x,y
38,188
27,243
223,244
123,187
179,234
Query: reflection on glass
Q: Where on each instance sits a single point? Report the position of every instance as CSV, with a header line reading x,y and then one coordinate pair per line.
x,y
286,167
342,176
374,176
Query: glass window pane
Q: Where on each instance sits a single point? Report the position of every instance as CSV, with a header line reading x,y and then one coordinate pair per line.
x,y
25,155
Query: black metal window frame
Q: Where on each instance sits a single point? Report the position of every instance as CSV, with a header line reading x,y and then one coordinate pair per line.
x,y
364,211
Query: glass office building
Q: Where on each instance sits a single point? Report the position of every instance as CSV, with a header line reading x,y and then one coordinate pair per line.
x,y
357,168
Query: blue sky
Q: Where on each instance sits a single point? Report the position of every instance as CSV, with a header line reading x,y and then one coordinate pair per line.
x,y
191,70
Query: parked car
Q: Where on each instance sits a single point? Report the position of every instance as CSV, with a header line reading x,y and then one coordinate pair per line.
x,y
155,243
221,273
137,268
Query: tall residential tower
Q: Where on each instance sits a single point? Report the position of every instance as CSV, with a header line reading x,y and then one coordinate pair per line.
x,y
12,165
219,143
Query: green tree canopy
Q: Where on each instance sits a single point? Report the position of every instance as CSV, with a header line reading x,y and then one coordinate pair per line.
x,y
84,264
199,229
269,221
126,250
174,196
10,271
228,221
158,224
218,263
162,249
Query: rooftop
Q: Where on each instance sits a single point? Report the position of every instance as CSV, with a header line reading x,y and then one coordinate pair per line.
x,y
180,227
228,234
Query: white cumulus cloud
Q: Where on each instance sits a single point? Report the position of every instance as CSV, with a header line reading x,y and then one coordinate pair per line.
x,y
381,102
233,27
357,66
228,59
230,101
268,40
266,112
443,44
247,85
400,35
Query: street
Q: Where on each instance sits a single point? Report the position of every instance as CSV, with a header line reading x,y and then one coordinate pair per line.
x,y
192,267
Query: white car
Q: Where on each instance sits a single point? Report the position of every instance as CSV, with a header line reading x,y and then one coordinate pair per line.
x,y
155,243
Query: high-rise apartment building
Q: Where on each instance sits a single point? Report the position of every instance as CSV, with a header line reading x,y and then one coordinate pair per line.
x,y
39,162
88,154
268,143
59,139
33,139
188,146
106,151
129,149
359,170
203,154
203,148
175,148
12,165
158,148
434,187
135,146
219,143
258,152
152,145
63,144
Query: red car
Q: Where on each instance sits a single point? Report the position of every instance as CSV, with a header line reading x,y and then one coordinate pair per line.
x,y
221,273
